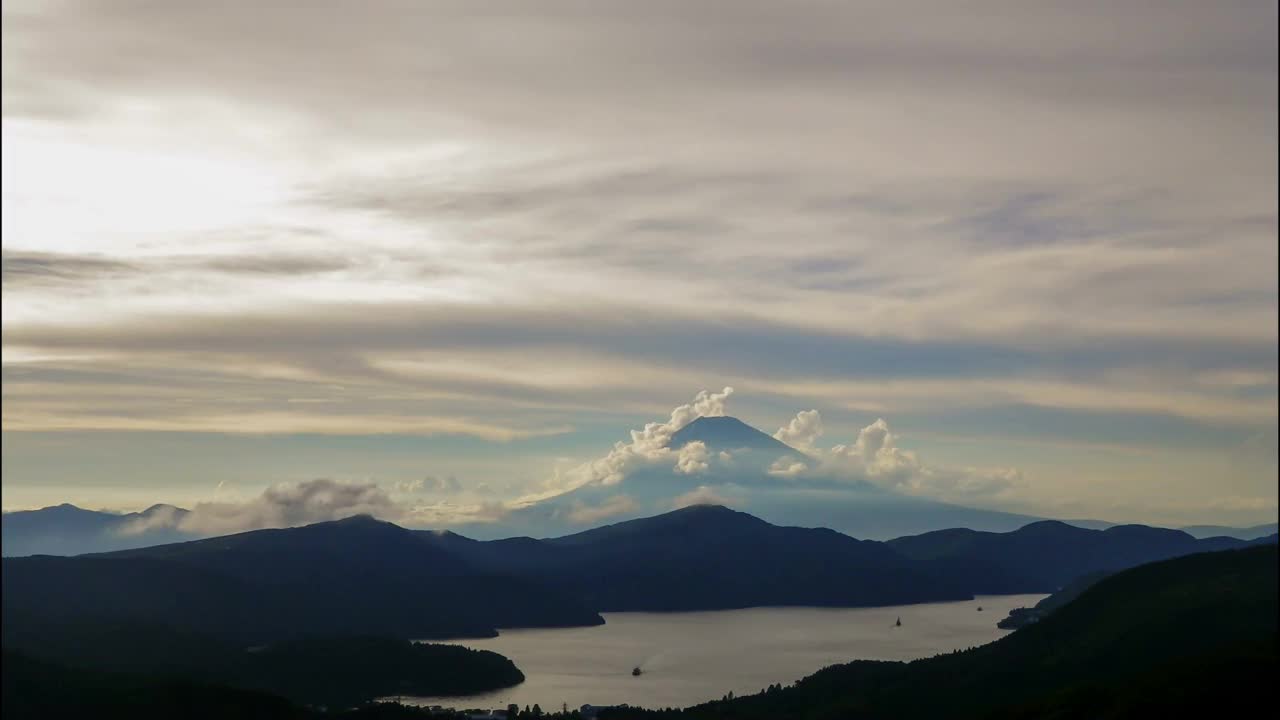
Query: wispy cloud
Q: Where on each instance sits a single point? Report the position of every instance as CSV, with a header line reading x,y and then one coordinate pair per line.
x,y
281,505
582,514
202,235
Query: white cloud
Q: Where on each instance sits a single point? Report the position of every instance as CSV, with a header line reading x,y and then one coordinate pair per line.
x,y
803,430
647,445
582,514
281,505
787,466
693,458
410,486
874,456
438,484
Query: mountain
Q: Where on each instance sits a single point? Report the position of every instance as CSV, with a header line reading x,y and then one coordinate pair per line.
x,y
1245,533
724,433
361,576
36,688
1023,616
357,576
327,671
1044,556
710,557
1189,637
69,530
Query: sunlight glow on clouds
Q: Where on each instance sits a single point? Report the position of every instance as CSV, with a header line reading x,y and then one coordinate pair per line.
x,y
229,219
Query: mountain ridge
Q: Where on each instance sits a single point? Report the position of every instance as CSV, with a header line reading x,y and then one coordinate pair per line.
x,y
726,433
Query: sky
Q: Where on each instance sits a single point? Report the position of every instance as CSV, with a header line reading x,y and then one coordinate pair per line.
x,y
458,250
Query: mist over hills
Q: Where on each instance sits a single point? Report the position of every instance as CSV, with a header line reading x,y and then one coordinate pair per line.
x,y
69,530
714,459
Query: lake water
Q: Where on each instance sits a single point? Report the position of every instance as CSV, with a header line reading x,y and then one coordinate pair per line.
x,y
688,658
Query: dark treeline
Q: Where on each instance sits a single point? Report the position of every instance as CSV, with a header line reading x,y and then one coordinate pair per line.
x,y
318,671
1193,635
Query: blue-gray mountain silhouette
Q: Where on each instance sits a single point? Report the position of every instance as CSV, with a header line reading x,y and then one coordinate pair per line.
x,y
724,433
69,530
361,576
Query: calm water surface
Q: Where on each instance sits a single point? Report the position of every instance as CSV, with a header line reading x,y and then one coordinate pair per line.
x,y
688,658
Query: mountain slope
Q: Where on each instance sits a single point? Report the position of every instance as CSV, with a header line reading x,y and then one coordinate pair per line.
x,y
711,557
1044,556
1194,636
357,577
1245,533
727,433
68,530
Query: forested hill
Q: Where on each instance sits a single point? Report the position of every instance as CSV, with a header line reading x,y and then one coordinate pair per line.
x,y
1189,637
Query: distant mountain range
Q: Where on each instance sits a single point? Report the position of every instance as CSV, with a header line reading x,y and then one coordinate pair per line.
x,y
1044,556
361,576
709,557
69,530
1247,533
747,478
357,576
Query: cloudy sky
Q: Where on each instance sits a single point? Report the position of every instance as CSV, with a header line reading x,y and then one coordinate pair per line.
x,y
456,248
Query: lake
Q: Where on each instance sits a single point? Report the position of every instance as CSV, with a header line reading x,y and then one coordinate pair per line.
x,y
692,657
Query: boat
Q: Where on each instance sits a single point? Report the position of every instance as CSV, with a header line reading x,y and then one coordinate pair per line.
x,y
899,623
635,671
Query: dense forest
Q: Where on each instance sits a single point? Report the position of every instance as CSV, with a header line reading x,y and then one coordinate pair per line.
x,y
324,671
1196,633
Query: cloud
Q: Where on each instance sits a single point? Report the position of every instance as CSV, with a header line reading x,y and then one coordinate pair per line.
x,y
1034,216
702,495
441,484
581,514
693,458
802,431
787,467
281,505
874,456
649,445
1237,503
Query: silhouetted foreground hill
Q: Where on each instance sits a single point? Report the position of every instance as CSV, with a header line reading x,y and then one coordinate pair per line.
x,y
1189,637
328,671
35,689
1023,616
